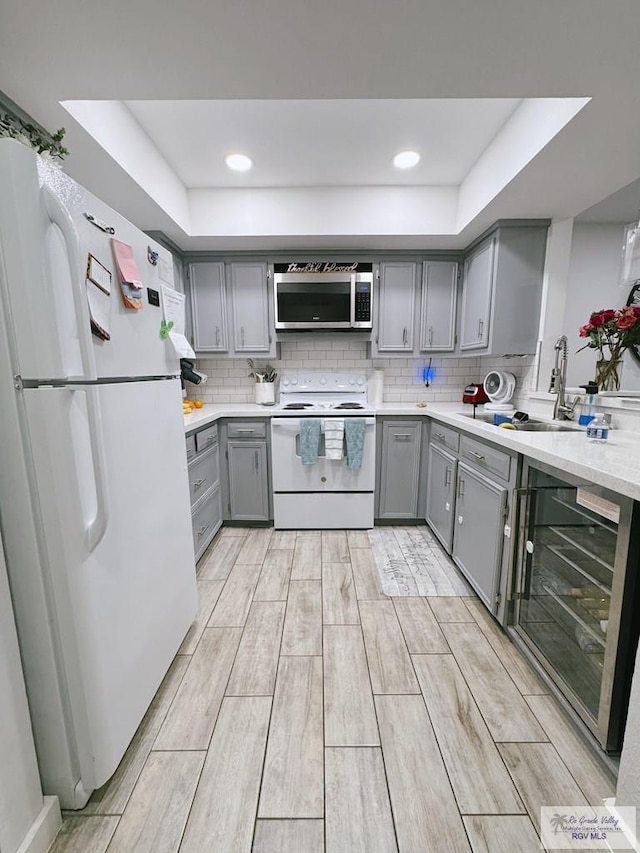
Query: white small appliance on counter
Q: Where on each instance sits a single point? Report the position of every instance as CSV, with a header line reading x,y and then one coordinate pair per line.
x,y
327,494
499,387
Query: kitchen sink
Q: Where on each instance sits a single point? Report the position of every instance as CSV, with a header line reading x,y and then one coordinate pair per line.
x,y
531,425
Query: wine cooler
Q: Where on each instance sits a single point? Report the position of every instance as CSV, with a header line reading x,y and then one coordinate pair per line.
x,y
576,593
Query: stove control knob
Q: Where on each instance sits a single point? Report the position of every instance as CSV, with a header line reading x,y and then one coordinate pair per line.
x,y
294,381
360,380
285,382
352,381
323,381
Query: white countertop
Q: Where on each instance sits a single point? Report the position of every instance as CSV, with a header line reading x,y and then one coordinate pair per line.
x,y
615,465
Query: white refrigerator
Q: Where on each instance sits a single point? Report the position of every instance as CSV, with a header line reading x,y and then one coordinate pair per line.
x,y
94,498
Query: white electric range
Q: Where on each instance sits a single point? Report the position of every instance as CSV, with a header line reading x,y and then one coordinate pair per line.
x,y
327,494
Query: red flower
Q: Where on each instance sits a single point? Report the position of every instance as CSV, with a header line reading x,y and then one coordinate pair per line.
x,y
601,318
627,318
585,330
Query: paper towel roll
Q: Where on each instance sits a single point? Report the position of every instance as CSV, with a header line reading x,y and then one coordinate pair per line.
x,y
375,388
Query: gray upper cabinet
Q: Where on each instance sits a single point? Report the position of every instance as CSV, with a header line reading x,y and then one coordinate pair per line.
x,y
250,297
479,270
208,307
399,469
438,308
502,291
396,307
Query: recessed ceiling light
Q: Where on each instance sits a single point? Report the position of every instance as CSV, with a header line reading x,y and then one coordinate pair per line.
x,y
406,159
239,162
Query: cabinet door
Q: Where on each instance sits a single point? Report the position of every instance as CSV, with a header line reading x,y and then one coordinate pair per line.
x,y
441,494
248,483
477,290
438,314
208,307
479,532
250,298
399,472
396,307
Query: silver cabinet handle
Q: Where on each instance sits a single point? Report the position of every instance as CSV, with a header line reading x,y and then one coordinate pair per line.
x,y
439,435
241,336
246,430
217,336
202,530
480,328
478,456
255,456
430,335
460,487
402,435
199,483
404,336
447,477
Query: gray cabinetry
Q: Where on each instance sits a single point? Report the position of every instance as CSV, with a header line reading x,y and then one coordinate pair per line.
x,y
203,458
471,510
396,307
208,307
441,487
247,481
249,287
398,482
438,307
478,533
502,290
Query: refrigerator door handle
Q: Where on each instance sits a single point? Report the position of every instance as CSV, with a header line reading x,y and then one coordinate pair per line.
x,y
95,530
60,217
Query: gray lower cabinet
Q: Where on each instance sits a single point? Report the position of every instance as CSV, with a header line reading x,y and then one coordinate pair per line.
x,y
478,531
248,479
203,458
399,468
441,494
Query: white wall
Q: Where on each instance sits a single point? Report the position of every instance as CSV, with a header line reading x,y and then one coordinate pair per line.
x,y
593,284
22,806
628,792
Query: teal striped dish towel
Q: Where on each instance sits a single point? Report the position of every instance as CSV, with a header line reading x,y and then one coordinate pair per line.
x,y
354,436
309,440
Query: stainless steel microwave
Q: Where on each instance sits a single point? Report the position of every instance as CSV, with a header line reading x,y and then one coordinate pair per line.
x,y
323,295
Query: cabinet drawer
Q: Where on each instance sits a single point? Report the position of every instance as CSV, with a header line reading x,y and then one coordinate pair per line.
x,y
191,447
203,474
205,521
246,429
485,458
445,436
206,437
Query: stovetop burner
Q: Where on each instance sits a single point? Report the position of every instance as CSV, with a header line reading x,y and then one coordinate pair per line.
x,y
349,406
298,406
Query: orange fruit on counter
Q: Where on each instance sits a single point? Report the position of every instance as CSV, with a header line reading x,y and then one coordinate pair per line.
x,y
198,404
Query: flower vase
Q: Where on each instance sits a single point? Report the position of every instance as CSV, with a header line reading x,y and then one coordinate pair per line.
x,y
265,393
608,373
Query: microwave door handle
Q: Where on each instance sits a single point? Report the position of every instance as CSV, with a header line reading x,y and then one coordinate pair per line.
x,y
352,307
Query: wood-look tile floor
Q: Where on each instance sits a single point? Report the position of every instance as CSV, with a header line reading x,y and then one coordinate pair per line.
x,y
308,711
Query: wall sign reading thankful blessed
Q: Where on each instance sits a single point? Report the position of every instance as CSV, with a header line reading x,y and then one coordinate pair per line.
x,y
323,266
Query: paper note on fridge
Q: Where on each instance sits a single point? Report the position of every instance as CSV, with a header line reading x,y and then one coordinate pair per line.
x,y
130,281
173,309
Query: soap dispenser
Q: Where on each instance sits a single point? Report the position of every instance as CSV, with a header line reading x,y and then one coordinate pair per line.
x,y
588,410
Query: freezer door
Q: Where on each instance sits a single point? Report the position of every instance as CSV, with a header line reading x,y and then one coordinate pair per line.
x,y
116,526
45,243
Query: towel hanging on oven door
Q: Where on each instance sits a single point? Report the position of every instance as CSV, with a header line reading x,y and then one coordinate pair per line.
x,y
333,438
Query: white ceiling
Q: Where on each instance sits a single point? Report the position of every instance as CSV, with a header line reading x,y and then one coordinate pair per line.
x,y
298,143
349,51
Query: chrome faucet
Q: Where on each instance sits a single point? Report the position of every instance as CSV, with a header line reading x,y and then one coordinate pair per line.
x,y
562,411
